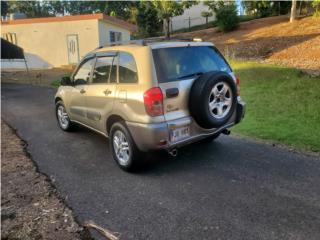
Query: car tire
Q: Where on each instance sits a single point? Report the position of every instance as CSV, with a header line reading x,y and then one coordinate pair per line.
x,y
63,119
123,148
212,99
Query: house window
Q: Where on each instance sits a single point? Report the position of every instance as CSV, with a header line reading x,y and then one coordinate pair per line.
x,y
115,36
10,37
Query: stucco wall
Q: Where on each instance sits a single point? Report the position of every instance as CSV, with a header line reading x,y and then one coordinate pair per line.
x,y
48,41
104,32
194,13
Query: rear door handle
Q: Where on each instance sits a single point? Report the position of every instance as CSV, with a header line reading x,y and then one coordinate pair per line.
x,y
82,91
107,92
172,92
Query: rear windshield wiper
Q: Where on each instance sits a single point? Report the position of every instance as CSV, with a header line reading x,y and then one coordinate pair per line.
x,y
191,75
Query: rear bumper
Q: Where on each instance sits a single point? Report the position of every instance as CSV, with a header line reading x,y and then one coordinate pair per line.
x,y
157,136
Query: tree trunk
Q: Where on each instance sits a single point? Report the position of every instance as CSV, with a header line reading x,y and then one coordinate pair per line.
x,y
207,21
300,8
293,10
167,28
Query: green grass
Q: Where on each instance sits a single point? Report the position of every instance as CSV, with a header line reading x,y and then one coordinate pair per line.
x,y
283,105
55,83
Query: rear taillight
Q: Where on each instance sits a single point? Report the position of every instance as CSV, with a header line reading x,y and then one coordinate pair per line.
x,y
238,86
153,102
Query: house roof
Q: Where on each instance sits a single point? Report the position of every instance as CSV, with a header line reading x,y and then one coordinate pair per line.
x,y
99,16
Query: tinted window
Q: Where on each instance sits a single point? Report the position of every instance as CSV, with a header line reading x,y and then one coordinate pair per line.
x,y
181,62
127,69
83,74
104,70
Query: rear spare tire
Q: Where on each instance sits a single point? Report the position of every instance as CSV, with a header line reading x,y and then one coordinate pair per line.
x,y
212,99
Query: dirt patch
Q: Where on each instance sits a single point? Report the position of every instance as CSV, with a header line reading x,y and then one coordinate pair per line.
x,y
30,206
39,77
272,39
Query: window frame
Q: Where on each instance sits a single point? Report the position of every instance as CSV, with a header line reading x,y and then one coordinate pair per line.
x,y
113,54
135,62
119,33
86,59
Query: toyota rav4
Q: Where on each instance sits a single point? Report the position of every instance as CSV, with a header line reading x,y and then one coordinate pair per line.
x,y
151,95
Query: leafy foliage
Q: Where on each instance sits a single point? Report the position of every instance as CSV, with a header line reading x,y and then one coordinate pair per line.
x,y
120,9
266,8
168,9
30,8
226,17
316,6
206,15
4,8
147,20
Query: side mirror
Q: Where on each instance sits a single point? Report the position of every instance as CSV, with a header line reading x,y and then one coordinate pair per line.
x,y
66,81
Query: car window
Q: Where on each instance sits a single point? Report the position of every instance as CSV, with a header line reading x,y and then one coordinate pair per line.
x,y
83,74
104,69
174,63
127,69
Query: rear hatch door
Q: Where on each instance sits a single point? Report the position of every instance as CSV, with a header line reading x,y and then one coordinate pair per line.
x,y
178,67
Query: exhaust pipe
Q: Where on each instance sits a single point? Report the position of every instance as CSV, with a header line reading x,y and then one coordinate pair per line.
x,y
226,131
173,152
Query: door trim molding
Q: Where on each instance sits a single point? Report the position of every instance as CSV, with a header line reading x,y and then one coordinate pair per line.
x,y
76,35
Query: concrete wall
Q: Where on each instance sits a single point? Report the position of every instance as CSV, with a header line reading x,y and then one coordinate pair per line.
x,y
194,13
47,42
104,32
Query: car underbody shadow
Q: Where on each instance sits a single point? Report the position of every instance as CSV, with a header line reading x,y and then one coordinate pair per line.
x,y
162,161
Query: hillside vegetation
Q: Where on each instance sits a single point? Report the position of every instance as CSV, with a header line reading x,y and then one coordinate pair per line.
x,y
273,39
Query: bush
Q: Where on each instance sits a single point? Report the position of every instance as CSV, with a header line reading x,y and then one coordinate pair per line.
x,y
316,6
227,18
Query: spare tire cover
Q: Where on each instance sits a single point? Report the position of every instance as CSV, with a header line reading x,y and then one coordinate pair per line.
x,y
212,99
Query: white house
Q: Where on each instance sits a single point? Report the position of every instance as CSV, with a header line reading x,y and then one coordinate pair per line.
x,y
55,41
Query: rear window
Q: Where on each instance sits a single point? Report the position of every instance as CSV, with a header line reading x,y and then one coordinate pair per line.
x,y
180,63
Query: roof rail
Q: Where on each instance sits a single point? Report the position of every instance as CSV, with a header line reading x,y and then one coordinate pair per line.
x,y
147,41
164,39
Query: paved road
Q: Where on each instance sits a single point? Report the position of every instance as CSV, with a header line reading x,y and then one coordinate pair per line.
x,y
230,189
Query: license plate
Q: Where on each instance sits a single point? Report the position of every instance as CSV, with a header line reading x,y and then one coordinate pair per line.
x,y
179,133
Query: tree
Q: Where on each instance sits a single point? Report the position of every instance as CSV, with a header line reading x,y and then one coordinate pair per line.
x,y
266,8
147,19
226,14
4,8
30,8
316,6
293,10
227,18
168,9
125,10
58,7
206,15
258,8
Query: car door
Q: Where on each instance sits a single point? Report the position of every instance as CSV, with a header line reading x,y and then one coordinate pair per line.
x,y
80,79
128,96
101,90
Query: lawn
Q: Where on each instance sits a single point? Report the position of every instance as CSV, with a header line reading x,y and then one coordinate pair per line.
x,y
283,104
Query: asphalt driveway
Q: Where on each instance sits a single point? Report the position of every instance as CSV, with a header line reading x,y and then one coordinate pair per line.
x,y
231,189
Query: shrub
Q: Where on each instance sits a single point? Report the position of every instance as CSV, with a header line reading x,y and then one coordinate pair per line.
x,y
316,5
227,18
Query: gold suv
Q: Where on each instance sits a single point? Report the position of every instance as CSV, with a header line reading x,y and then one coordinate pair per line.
x,y
151,95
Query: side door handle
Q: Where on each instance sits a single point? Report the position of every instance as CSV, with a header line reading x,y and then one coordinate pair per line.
x,y
82,91
107,92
